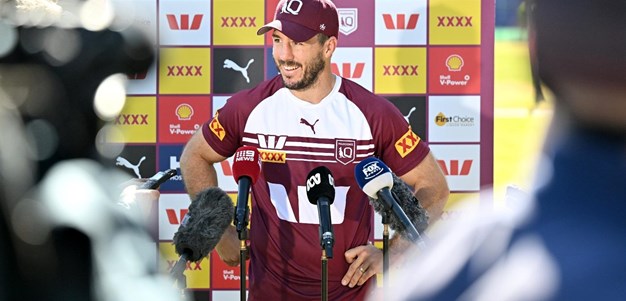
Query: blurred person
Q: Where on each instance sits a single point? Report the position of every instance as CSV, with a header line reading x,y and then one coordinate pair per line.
x,y
310,116
63,235
566,241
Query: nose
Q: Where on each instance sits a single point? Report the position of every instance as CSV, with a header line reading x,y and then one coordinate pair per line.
x,y
284,51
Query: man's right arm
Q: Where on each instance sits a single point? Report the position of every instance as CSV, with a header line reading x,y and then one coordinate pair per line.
x,y
196,166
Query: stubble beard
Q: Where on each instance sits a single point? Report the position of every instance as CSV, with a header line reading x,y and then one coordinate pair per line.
x,y
310,76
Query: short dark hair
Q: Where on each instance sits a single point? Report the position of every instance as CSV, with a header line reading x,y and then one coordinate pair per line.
x,y
322,38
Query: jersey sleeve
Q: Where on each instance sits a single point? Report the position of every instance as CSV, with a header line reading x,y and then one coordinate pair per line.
x,y
396,143
223,131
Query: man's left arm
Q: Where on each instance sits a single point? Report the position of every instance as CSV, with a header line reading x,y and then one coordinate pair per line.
x,y
430,186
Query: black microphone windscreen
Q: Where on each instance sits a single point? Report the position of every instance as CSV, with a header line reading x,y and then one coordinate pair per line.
x,y
407,201
320,183
410,204
208,217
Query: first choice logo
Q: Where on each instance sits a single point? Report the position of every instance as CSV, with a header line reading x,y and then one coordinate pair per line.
x,y
316,179
371,170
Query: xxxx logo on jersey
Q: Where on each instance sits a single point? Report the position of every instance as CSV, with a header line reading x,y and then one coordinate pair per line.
x,y
407,143
217,128
273,156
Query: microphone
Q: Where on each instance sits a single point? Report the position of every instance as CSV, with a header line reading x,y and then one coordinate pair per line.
x,y
320,190
246,170
202,227
376,180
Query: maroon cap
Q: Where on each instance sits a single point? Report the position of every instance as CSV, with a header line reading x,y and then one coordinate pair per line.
x,y
300,20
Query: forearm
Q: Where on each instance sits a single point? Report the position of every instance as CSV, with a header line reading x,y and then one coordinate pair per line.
x,y
433,199
197,175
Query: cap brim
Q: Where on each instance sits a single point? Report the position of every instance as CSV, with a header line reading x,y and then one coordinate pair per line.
x,y
292,30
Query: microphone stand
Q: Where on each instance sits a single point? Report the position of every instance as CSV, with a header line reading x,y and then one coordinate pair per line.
x,y
179,276
324,276
385,216
242,230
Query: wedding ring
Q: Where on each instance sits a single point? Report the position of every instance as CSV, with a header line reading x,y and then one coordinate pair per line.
x,y
362,270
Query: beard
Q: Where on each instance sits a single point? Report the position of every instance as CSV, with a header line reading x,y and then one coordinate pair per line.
x,y
310,75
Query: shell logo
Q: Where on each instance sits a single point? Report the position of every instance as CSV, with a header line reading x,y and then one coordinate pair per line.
x,y
184,111
454,62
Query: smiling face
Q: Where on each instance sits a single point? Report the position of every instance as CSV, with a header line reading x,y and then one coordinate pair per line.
x,y
299,63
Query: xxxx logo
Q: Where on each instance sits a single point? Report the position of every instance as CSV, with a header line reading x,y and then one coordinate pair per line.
x,y
132,119
407,143
453,21
273,156
184,70
238,22
401,70
217,128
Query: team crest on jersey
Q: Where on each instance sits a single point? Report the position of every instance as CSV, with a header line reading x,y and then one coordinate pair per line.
x,y
407,143
345,151
217,128
272,156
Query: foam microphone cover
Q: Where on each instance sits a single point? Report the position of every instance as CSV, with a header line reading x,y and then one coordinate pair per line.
x,y
246,163
406,199
206,221
320,183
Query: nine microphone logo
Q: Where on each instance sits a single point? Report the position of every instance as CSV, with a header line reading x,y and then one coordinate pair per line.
x,y
244,155
371,170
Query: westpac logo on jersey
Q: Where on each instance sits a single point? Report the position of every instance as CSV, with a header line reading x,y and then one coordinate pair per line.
x,y
399,22
460,164
184,22
354,64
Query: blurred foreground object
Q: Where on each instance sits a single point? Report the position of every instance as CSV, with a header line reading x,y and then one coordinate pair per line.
x,y
63,235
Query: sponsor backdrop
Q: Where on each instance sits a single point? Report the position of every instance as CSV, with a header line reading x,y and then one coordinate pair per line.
x,y
433,59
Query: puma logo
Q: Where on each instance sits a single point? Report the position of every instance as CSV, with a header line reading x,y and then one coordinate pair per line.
x,y
408,115
123,162
244,70
312,126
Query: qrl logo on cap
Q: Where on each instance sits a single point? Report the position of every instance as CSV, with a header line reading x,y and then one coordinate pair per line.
x,y
292,7
371,170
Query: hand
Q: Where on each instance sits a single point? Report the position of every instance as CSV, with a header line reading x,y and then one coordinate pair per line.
x,y
229,247
365,262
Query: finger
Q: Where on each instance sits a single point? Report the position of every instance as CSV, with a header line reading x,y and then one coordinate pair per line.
x,y
356,256
352,254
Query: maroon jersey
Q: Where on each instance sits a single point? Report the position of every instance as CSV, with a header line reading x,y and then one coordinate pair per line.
x,y
293,137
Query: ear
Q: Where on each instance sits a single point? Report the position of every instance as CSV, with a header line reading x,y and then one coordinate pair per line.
x,y
329,47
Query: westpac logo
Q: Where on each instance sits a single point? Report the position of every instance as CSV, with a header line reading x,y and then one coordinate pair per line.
x,y
175,217
133,76
181,21
400,21
348,70
132,119
454,21
271,141
455,167
238,22
400,70
184,70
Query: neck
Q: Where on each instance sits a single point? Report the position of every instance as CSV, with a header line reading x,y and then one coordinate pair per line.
x,y
320,89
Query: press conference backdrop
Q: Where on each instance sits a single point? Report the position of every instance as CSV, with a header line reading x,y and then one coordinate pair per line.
x,y
433,59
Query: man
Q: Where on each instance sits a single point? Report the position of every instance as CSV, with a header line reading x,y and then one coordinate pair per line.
x,y
318,119
568,243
